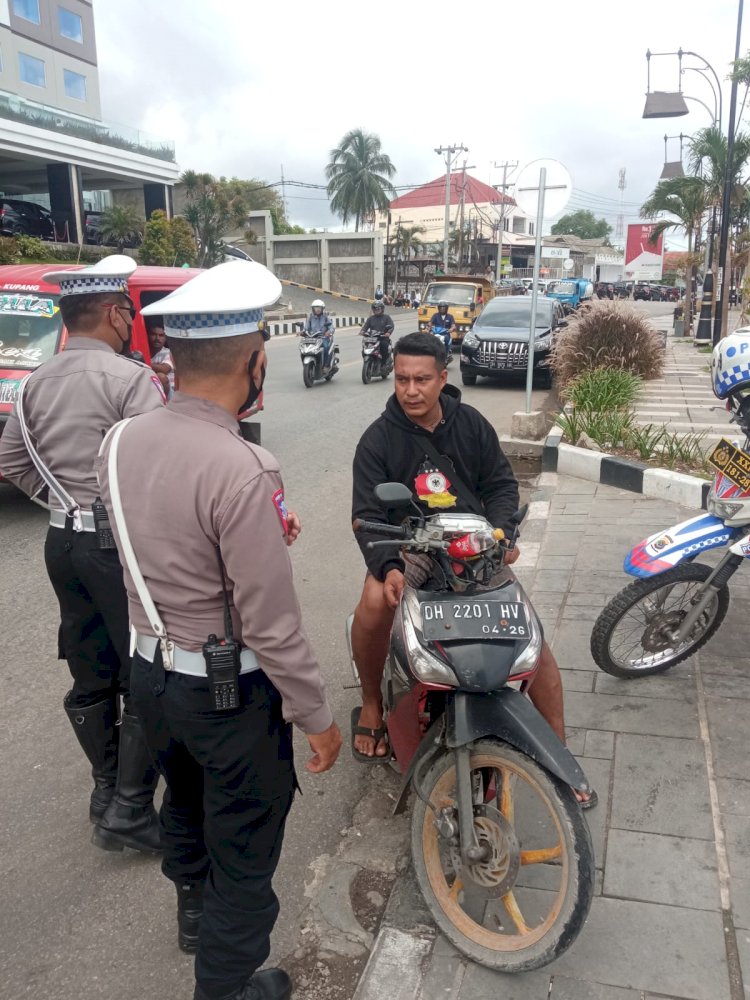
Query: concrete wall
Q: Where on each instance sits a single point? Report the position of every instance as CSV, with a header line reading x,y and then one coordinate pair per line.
x,y
337,262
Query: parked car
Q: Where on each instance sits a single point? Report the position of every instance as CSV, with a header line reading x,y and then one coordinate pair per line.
x,y
26,218
93,227
498,343
642,292
622,291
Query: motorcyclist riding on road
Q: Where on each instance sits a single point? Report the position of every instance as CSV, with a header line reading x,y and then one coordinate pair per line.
x,y
320,324
381,323
443,319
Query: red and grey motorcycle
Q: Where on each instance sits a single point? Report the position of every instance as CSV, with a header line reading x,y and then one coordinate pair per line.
x,y
501,850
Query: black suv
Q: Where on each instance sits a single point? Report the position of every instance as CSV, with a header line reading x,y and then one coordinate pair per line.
x,y
17,216
642,291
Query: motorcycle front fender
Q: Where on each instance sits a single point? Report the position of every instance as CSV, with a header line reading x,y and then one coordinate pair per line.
x,y
665,549
510,716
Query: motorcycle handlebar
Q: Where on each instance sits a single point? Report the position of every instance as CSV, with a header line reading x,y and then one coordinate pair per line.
x,y
377,528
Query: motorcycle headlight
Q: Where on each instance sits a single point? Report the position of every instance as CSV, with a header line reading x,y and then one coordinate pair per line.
x,y
471,340
427,668
723,508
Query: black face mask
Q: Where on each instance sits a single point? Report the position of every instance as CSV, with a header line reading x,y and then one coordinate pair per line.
x,y
255,390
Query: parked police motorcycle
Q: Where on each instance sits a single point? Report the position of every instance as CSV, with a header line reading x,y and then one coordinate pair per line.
x,y
677,604
373,363
312,352
495,818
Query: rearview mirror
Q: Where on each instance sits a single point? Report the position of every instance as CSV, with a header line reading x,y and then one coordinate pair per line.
x,y
393,495
473,306
520,514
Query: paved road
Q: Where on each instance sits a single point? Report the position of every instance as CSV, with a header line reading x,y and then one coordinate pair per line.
x,y
79,924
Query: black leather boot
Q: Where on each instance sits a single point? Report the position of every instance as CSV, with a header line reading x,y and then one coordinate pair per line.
x,y
189,913
130,819
96,732
270,984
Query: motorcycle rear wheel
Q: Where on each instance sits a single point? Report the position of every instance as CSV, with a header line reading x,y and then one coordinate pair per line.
x,y
540,870
308,375
662,615
367,370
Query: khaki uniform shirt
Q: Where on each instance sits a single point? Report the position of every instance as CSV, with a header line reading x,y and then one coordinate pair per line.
x,y
190,483
70,402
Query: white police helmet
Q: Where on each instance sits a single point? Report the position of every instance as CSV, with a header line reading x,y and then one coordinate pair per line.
x,y
318,304
730,364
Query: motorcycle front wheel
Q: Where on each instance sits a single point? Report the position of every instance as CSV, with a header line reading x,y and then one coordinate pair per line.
x,y
367,370
526,902
630,637
308,375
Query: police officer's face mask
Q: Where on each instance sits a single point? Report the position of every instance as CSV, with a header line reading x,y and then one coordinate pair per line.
x,y
256,370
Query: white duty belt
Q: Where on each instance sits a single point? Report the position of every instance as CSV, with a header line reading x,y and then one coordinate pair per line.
x,y
182,661
83,520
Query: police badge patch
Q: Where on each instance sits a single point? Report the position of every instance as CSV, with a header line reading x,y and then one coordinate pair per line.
x,y
281,509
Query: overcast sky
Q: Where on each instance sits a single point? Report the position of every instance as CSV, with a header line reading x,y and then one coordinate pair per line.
x,y
244,86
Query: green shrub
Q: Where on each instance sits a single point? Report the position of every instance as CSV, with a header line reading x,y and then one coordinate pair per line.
x,y
31,248
646,440
603,389
609,428
608,335
9,251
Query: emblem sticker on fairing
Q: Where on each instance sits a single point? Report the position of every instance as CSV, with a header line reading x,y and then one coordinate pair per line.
x,y
281,509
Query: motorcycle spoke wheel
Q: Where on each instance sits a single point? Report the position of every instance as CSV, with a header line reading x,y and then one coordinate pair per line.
x,y
632,636
525,903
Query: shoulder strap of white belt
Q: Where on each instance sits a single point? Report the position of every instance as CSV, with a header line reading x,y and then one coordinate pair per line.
x,y
127,551
66,501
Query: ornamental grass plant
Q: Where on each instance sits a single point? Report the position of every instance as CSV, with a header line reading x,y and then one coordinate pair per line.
x,y
610,335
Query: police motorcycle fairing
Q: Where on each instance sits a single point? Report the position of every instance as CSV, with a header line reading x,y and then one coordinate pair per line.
x,y
494,805
677,603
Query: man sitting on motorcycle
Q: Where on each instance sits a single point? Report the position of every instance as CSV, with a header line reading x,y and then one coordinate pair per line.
x,y
442,323
320,324
379,323
424,405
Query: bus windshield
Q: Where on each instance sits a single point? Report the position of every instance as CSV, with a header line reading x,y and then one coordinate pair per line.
x,y
30,328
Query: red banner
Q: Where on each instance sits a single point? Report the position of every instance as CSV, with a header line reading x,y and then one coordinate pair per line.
x,y
643,259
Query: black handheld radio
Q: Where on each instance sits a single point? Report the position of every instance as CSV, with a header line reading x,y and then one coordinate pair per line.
x,y
222,658
104,537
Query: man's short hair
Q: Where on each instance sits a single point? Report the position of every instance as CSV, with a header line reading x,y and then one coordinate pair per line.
x,y
82,313
422,345
213,356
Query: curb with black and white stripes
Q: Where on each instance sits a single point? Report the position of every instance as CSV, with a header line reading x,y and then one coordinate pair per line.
x,y
290,326
597,467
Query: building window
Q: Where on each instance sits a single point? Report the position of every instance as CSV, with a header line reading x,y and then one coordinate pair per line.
x,y
531,229
519,224
32,70
28,10
71,25
75,85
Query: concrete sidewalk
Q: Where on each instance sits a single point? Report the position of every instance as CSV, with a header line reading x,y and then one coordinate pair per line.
x,y
668,757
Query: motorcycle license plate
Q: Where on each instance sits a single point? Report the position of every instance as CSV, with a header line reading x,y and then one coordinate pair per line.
x,y
732,463
476,619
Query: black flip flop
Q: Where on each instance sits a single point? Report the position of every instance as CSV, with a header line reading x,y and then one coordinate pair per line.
x,y
591,802
375,734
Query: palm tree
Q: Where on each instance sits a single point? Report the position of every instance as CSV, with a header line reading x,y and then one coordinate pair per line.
x,y
121,225
686,199
359,177
406,241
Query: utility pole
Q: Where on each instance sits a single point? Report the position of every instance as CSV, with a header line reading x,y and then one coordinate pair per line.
x,y
620,228
450,153
462,204
283,192
505,167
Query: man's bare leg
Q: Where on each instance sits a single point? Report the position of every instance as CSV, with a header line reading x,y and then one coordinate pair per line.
x,y
546,694
371,631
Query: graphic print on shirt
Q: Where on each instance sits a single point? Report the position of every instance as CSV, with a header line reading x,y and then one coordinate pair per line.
x,y
281,509
433,488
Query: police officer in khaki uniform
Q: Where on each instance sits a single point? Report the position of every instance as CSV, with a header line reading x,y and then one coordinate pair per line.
x,y
203,530
48,449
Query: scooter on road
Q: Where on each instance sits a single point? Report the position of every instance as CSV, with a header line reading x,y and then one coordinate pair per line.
x,y
373,364
501,850
312,352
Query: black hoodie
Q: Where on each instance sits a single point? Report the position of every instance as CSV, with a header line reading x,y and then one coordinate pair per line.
x,y
391,450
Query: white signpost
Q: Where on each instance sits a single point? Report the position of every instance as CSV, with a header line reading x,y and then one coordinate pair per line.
x,y
542,185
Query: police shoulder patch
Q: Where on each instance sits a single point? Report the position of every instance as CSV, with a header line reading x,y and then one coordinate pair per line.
x,y
281,509
157,382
